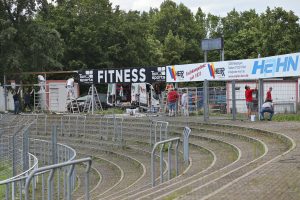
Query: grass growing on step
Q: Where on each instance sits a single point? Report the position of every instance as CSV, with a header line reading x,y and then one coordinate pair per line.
x,y
110,111
286,117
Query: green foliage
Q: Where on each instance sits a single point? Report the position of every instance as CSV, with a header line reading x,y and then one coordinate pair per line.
x,y
286,117
111,111
36,35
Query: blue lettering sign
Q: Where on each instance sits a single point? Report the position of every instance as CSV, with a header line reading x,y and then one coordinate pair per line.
x,y
274,65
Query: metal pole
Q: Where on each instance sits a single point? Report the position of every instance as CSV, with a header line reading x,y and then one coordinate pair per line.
x,y
205,56
205,100
169,161
5,93
260,95
186,135
54,144
92,99
162,163
222,54
233,100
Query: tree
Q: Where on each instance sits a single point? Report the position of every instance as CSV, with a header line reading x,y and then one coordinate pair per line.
x,y
173,49
26,44
280,32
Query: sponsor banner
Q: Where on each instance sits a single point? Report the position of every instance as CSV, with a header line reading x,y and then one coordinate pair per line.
x,y
130,75
270,67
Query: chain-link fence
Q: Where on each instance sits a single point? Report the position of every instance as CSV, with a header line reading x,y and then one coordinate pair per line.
x,y
19,155
226,99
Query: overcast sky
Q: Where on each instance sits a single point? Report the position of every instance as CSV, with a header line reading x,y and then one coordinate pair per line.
x,y
216,7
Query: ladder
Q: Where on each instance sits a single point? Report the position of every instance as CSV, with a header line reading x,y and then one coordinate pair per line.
x,y
72,105
92,99
40,103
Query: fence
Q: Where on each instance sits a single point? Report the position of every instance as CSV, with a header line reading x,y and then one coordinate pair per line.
x,y
18,162
226,100
161,145
158,131
69,184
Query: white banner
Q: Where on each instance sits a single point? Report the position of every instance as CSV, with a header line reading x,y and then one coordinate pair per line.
x,y
269,67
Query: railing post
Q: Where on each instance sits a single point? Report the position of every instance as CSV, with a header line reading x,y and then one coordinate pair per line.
x,y
50,184
260,96
169,161
186,135
233,100
87,180
161,145
14,172
54,144
69,197
205,100
176,157
25,150
161,153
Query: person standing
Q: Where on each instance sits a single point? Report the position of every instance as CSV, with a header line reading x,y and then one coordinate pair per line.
x,y
172,101
269,95
267,107
27,100
184,103
70,88
249,100
16,102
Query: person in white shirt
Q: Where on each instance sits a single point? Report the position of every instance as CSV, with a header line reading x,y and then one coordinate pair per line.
x,y
184,103
42,82
267,107
70,88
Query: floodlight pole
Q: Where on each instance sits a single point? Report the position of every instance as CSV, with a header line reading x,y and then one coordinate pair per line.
x,y
222,55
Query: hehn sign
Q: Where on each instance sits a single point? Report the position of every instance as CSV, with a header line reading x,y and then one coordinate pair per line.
x,y
280,66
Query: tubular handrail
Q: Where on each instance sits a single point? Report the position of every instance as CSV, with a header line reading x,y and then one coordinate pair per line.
x,y
60,144
56,166
20,176
170,141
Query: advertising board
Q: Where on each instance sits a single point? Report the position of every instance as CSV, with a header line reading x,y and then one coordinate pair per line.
x,y
269,67
128,75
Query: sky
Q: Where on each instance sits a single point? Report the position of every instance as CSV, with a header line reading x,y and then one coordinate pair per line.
x,y
216,7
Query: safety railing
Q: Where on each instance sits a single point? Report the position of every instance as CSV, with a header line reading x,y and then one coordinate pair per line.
x,y
158,131
186,148
56,168
161,145
46,152
73,125
14,186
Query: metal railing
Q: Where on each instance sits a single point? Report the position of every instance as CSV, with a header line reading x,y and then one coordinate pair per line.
x,y
158,131
51,170
186,148
16,183
162,144
73,125
14,151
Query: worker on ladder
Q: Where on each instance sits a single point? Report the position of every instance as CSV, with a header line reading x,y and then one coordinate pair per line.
x,y
42,82
70,88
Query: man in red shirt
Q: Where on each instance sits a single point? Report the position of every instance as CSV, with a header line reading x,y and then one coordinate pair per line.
x,y
172,102
249,100
269,95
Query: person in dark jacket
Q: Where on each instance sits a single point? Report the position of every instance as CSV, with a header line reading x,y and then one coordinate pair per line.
x,y
27,100
16,103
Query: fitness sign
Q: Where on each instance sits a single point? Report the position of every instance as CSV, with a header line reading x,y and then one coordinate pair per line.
x,y
129,75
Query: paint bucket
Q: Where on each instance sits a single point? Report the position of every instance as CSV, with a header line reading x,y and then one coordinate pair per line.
x,y
253,118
